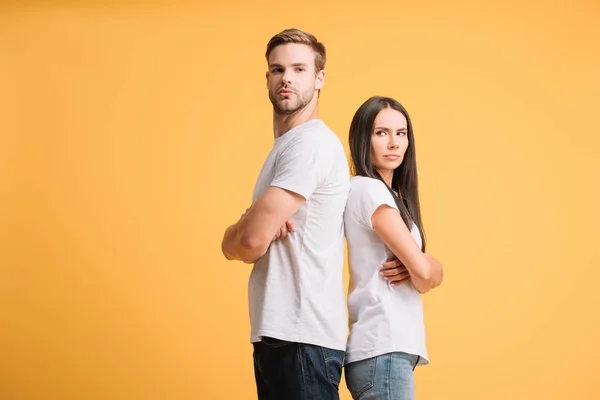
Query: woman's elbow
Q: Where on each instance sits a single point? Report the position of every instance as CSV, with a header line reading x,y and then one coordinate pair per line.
x,y
424,281
438,280
422,286
424,275
431,274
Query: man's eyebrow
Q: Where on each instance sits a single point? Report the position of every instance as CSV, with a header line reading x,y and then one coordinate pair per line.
x,y
300,64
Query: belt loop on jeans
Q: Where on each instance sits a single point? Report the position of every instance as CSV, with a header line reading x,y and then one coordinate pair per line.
x,y
417,362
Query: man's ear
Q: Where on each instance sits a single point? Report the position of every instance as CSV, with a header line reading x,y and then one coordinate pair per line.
x,y
320,79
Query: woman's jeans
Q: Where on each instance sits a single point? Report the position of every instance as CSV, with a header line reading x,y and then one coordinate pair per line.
x,y
386,377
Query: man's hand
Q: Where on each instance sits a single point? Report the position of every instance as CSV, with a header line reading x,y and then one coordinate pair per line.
x,y
394,272
282,233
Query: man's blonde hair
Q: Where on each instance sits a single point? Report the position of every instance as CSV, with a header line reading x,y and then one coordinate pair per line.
x,y
298,36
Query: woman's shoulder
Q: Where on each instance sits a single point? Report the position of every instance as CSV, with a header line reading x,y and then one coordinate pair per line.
x,y
365,189
365,184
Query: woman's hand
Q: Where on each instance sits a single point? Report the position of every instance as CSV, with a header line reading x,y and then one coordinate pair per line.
x,y
394,272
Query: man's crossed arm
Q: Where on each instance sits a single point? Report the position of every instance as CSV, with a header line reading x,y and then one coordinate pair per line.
x,y
248,239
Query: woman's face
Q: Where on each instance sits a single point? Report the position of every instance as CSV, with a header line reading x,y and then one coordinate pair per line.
x,y
389,141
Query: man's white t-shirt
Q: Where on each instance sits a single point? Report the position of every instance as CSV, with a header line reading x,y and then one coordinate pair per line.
x,y
383,318
296,290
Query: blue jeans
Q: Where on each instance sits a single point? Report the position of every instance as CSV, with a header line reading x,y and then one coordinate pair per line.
x,y
296,371
386,377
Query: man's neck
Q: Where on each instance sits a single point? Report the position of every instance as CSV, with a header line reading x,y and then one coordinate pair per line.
x,y
283,123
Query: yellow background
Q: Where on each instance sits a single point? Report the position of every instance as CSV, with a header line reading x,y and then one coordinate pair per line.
x,y
131,136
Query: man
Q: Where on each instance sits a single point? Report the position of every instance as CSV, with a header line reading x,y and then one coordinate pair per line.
x,y
293,233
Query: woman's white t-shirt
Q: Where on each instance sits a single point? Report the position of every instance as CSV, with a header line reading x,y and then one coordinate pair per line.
x,y
383,318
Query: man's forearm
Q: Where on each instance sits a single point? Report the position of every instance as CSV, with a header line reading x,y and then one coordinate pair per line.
x,y
229,242
249,239
234,246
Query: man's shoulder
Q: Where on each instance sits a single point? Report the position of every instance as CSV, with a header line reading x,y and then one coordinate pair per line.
x,y
323,131
316,131
316,141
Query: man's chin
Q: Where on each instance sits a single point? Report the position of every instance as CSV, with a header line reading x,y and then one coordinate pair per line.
x,y
285,109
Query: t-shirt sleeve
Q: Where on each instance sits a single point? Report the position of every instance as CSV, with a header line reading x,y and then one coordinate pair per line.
x,y
302,165
367,198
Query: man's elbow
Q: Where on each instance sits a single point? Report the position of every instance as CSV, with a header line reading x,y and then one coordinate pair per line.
x,y
229,252
252,247
251,243
228,243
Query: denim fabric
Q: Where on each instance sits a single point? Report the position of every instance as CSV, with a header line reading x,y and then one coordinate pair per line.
x,y
386,377
296,371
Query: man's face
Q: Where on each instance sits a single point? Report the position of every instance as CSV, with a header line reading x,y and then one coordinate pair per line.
x,y
292,80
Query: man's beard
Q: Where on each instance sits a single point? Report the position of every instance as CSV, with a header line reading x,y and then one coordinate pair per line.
x,y
302,101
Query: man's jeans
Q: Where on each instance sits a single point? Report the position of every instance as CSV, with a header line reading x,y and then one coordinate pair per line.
x,y
296,371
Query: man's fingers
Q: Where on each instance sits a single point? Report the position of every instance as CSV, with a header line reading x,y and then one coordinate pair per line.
x,y
284,231
290,226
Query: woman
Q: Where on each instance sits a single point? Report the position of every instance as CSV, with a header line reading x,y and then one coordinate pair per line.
x,y
383,223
